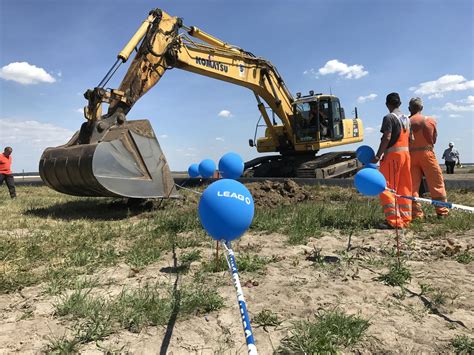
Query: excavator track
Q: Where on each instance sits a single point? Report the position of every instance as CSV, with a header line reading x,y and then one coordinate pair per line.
x,y
326,166
330,165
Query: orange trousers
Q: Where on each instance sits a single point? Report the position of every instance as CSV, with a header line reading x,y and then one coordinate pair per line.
x,y
425,163
395,166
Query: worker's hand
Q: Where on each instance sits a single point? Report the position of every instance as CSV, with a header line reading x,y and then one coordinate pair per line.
x,y
375,160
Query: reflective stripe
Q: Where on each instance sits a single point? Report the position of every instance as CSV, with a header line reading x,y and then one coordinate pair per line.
x,y
405,214
397,149
389,205
420,149
404,206
392,213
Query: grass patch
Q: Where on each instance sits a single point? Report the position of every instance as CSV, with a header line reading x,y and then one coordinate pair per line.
x,y
245,263
15,281
327,334
96,326
251,263
214,265
464,257
305,220
92,315
62,345
188,258
462,344
144,251
136,309
266,318
398,275
456,222
79,305
62,279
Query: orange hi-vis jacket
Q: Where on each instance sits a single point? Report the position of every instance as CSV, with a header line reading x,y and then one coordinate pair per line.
x,y
5,164
424,162
395,166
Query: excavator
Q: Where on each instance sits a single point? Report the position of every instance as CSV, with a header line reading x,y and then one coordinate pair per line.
x,y
111,156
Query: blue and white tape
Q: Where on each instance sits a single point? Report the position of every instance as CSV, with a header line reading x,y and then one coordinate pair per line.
x,y
252,349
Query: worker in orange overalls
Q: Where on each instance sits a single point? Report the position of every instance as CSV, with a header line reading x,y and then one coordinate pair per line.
x,y
6,171
395,164
423,159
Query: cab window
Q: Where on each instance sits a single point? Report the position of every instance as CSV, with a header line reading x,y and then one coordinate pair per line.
x,y
337,120
302,110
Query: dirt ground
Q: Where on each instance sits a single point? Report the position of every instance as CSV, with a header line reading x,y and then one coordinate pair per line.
x,y
325,274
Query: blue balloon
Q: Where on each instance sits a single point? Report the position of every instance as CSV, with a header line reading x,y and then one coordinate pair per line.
x,y
371,166
193,170
231,166
365,154
207,168
226,209
370,182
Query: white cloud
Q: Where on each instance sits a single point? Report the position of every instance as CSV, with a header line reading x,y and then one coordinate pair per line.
x,y
469,100
362,99
311,72
163,136
436,96
457,108
454,115
349,72
225,114
369,130
33,133
219,139
79,110
443,84
25,73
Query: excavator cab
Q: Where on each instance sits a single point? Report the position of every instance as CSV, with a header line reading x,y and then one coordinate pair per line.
x,y
318,118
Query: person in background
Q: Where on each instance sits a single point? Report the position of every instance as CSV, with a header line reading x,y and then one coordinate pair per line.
x,y
450,156
6,172
395,164
423,158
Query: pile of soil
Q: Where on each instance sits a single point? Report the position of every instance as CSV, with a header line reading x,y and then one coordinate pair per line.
x,y
265,194
273,193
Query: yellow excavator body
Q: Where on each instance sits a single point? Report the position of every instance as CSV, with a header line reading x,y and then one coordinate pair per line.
x,y
112,156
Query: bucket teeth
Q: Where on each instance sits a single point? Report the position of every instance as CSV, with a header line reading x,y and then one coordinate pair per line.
x,y
127,162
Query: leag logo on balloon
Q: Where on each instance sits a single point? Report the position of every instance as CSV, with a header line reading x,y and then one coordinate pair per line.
x,y
234,195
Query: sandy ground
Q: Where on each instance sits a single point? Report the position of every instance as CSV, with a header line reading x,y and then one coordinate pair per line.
x,y
293,287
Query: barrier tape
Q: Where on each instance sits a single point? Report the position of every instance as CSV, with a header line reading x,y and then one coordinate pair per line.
x,y
252,349
436,203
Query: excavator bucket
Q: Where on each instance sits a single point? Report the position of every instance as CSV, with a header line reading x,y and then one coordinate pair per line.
x,y
127,161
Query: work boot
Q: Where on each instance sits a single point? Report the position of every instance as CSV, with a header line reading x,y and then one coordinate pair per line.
x,y
385,226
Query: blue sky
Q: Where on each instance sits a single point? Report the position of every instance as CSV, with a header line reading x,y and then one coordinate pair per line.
x,y
361,50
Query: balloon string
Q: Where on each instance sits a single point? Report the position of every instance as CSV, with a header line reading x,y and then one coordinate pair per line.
x,y
185,188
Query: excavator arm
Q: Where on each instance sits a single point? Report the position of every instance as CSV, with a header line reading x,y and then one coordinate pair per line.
x,y
167,44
